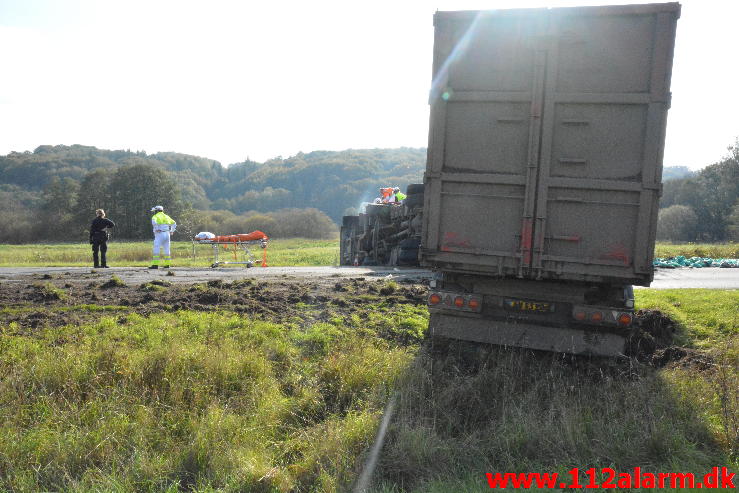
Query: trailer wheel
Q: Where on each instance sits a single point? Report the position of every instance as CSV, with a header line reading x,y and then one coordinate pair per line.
x,y
414,200
410,244
342,245
408,256
377,210
394,253
376,240
349,220
346,244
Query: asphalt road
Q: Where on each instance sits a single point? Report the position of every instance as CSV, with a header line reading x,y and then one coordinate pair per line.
x,y
140,275
710,278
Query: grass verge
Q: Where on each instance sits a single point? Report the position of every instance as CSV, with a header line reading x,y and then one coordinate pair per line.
x,y
708,317
465,410
712,250
222,401
280,253
191,401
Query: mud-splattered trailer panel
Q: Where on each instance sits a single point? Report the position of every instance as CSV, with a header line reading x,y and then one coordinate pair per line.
x,y
546,138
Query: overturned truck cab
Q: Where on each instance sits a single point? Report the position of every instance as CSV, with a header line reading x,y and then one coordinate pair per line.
x,y
384,234
544,171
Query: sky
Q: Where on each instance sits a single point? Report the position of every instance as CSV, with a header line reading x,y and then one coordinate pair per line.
x,y
237,79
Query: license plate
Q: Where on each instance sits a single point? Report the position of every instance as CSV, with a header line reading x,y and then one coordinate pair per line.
x,y
528,306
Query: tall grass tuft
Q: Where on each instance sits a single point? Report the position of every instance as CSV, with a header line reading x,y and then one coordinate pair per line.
x,y
464,409
190,401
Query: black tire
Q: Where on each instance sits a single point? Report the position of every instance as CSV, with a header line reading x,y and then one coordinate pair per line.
x,y
415,200
410,244
378,210
414,188
344,233
347,221
408,256
393,260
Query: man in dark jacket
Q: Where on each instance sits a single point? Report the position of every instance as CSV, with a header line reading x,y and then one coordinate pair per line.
x,y
99,237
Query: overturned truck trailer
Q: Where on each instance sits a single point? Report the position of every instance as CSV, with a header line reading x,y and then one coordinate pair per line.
x,y
544,172
384,234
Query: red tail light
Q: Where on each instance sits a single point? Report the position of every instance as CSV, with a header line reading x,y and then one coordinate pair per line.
x,y
434,299
459,302
474,304
596,317
579,315
624,319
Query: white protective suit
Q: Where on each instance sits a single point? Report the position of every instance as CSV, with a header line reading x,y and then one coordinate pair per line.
x,y
163,226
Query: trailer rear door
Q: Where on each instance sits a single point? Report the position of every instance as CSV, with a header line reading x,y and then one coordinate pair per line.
x,y
545,147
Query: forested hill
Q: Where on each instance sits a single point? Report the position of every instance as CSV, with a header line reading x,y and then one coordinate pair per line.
x,y
51,193
676,173
329,181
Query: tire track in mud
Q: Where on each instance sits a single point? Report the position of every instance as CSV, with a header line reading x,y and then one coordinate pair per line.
x,y
49,300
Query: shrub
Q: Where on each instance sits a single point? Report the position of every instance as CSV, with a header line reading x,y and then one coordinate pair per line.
x,y
677,223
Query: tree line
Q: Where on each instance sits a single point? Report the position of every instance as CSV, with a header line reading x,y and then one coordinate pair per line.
x,y
51,193
331,181
704,206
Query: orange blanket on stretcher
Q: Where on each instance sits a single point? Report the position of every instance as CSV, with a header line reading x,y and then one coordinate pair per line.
x,y
253,236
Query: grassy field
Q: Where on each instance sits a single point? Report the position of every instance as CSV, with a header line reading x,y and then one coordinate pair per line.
x,y
221,401
711,250
476,410
709,317
287,252
198,401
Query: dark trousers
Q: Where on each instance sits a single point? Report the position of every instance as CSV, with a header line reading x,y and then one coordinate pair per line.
x,y
102,247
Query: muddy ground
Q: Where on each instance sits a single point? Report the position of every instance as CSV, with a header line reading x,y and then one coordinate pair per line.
x,y
277,300
188,275
46,299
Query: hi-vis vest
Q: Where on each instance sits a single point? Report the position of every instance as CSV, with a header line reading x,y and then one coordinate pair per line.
x,y
162,222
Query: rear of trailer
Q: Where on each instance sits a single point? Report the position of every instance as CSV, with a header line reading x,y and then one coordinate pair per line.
x,y
544,171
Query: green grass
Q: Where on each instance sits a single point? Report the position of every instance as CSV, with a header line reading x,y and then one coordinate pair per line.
x,y
469,410
708,317
280,253
287,252
711,250
218,401
191,400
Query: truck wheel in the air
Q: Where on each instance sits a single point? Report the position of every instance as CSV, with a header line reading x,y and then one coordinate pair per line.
x,y
415,200
408,256
410,244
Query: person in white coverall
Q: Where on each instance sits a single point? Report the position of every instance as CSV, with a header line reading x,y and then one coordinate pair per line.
x,y
163,226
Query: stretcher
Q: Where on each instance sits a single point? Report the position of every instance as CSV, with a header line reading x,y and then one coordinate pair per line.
x,y
237,243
